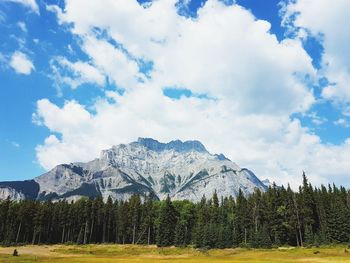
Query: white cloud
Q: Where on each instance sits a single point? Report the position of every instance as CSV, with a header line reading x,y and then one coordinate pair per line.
x,y
21,63
325,20
2,58
31,4
22,26
218,53
273,147
15,144
76,73
114,63
2,17
58,120
342,122
315,118
255,82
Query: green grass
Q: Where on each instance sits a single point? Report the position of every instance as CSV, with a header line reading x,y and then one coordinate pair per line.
x,y
130,254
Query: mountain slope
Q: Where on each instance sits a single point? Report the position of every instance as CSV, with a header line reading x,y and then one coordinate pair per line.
x,y
182,170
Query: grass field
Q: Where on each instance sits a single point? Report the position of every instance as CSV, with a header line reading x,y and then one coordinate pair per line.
x,y
128,253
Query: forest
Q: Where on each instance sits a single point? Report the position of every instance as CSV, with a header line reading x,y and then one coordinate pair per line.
x,y
277,217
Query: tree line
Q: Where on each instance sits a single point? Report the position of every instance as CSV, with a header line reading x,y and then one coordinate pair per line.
x,y
279,216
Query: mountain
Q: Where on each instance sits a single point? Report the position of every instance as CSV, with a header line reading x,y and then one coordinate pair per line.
x,y
267,182
182,170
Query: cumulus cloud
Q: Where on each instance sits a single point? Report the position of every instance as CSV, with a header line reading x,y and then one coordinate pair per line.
x,y
274,147
215,54
325,20
21,63
252,83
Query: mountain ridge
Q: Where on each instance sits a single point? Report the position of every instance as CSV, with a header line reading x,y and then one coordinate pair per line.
x,y
182,170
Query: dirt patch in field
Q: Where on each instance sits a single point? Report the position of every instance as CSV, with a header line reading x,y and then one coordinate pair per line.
x,y
45,251
286,248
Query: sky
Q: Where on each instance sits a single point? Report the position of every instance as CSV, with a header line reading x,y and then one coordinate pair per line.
x,y
264,82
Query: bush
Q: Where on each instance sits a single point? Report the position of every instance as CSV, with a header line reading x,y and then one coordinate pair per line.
x,y
15,253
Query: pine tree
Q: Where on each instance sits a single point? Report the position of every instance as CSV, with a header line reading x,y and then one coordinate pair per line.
x,y
311,216
200,229
147,221
109,219
135,204
180,234
242,222
262,239
166,222
309,211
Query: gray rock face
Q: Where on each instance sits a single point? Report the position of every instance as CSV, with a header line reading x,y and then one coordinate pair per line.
x,y
19,190
9,192
182,170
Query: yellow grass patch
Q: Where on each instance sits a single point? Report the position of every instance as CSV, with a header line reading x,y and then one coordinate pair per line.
x,y
130,254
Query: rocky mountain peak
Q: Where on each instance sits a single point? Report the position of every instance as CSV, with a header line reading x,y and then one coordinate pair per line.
x,y
176,145
180,169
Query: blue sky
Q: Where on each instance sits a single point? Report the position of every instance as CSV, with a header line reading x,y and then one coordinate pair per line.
x,y
50,41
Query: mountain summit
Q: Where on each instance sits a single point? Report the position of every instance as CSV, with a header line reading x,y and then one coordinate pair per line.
x,y
176,145
182,170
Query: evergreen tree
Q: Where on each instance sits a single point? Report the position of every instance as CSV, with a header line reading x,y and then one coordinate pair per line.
x,y
279,216
135,204
200,236
166,222
262,239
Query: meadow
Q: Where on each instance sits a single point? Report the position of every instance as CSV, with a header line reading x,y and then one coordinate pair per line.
x,y
135,253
